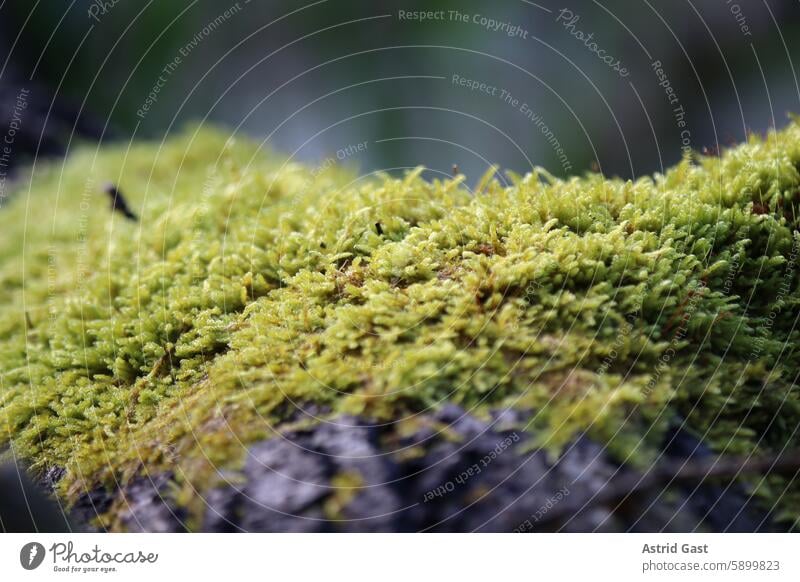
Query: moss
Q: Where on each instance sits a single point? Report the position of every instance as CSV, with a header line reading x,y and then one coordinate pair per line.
x,y
251,287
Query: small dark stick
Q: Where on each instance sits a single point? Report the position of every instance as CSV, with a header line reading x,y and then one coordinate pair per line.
x,y
118,202
379,228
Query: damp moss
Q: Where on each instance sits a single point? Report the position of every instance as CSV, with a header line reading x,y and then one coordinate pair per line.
x,y
252,288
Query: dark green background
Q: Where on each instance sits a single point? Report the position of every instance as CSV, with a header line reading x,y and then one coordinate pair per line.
x,y
728,82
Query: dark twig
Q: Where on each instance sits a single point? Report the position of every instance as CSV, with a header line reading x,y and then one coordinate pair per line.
x,y
118,202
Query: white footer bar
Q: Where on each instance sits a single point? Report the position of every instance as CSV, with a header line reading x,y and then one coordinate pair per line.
x,y
402,557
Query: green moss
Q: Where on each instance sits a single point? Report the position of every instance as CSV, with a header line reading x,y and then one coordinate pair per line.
x,y
250,287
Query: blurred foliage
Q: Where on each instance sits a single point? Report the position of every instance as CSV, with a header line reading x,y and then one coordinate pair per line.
x,y
729,82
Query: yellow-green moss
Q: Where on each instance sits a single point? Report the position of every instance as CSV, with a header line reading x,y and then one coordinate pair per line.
x,y
250,287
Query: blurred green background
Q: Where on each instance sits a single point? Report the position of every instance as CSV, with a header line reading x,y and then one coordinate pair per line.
x,y
313,78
